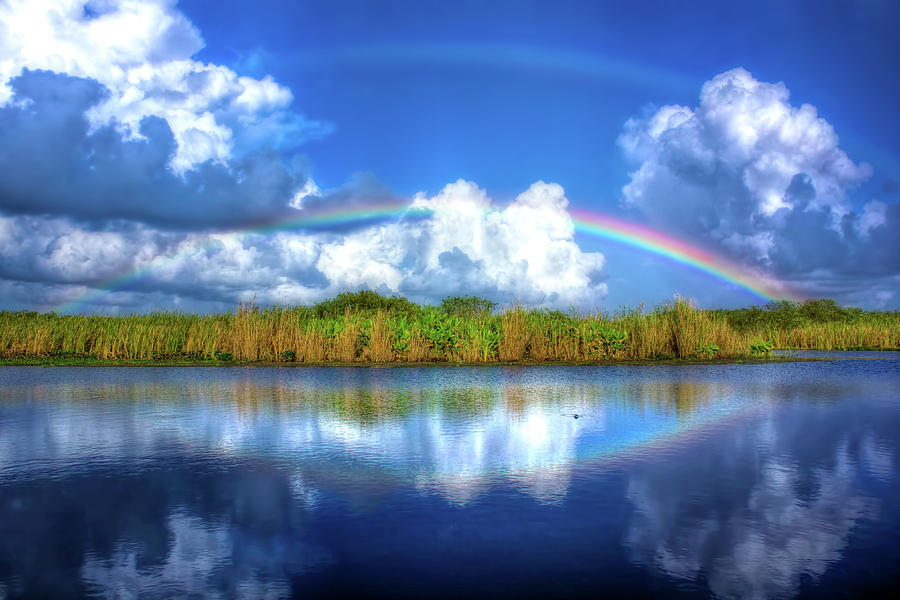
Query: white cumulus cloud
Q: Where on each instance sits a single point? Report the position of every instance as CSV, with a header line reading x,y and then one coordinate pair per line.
x,y
523,252
752,175
465,245
140,50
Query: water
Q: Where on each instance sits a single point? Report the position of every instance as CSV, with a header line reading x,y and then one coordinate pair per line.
x,y
737,481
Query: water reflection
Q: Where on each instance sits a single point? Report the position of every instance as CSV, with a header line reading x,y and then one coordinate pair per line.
x,y
453,440
196,553
769,508
739,481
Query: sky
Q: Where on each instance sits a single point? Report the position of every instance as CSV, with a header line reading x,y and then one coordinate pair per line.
x,y
190,156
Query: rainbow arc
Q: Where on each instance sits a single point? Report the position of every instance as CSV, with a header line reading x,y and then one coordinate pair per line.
x,y
590,223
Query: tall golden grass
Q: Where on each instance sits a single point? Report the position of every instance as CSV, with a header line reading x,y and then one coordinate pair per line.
x,y
250,334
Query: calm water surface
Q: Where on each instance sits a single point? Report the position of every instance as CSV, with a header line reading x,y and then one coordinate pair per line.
x,y
734,481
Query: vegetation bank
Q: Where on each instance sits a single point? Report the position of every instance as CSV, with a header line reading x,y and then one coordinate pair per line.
x,y
365,327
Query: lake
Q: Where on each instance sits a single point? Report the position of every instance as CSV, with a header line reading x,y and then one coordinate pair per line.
x,y
734,481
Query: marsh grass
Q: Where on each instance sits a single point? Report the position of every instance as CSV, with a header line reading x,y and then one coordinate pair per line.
x,y
398,331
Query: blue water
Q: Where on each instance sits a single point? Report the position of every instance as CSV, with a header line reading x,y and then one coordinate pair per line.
x,y
734,481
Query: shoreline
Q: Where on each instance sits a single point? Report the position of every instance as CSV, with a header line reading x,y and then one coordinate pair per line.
x,y
90,362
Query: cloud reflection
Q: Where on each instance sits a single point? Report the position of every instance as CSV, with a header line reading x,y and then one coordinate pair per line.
x,y
455,441
242,481
794,519
200,562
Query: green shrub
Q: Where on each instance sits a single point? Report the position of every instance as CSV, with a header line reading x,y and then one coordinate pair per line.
x,y
468,306
761,348
365,301
707,350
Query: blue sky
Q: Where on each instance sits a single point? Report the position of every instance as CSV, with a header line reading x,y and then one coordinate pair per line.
x,y
218,115
507,92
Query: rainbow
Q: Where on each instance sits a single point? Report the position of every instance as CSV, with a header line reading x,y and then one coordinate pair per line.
x,y
591,65
679,251
374,212
590,223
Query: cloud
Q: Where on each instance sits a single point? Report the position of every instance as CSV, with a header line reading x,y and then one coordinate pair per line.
x,y
140,51
754,177
120,155
125,163
53,162
104,115
525,251
522,252
86,208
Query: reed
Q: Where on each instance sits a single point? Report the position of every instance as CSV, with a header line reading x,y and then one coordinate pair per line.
x,y
380,346
514,334
348,330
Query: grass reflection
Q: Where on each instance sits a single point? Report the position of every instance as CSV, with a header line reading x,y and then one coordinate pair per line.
x,y
374,403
